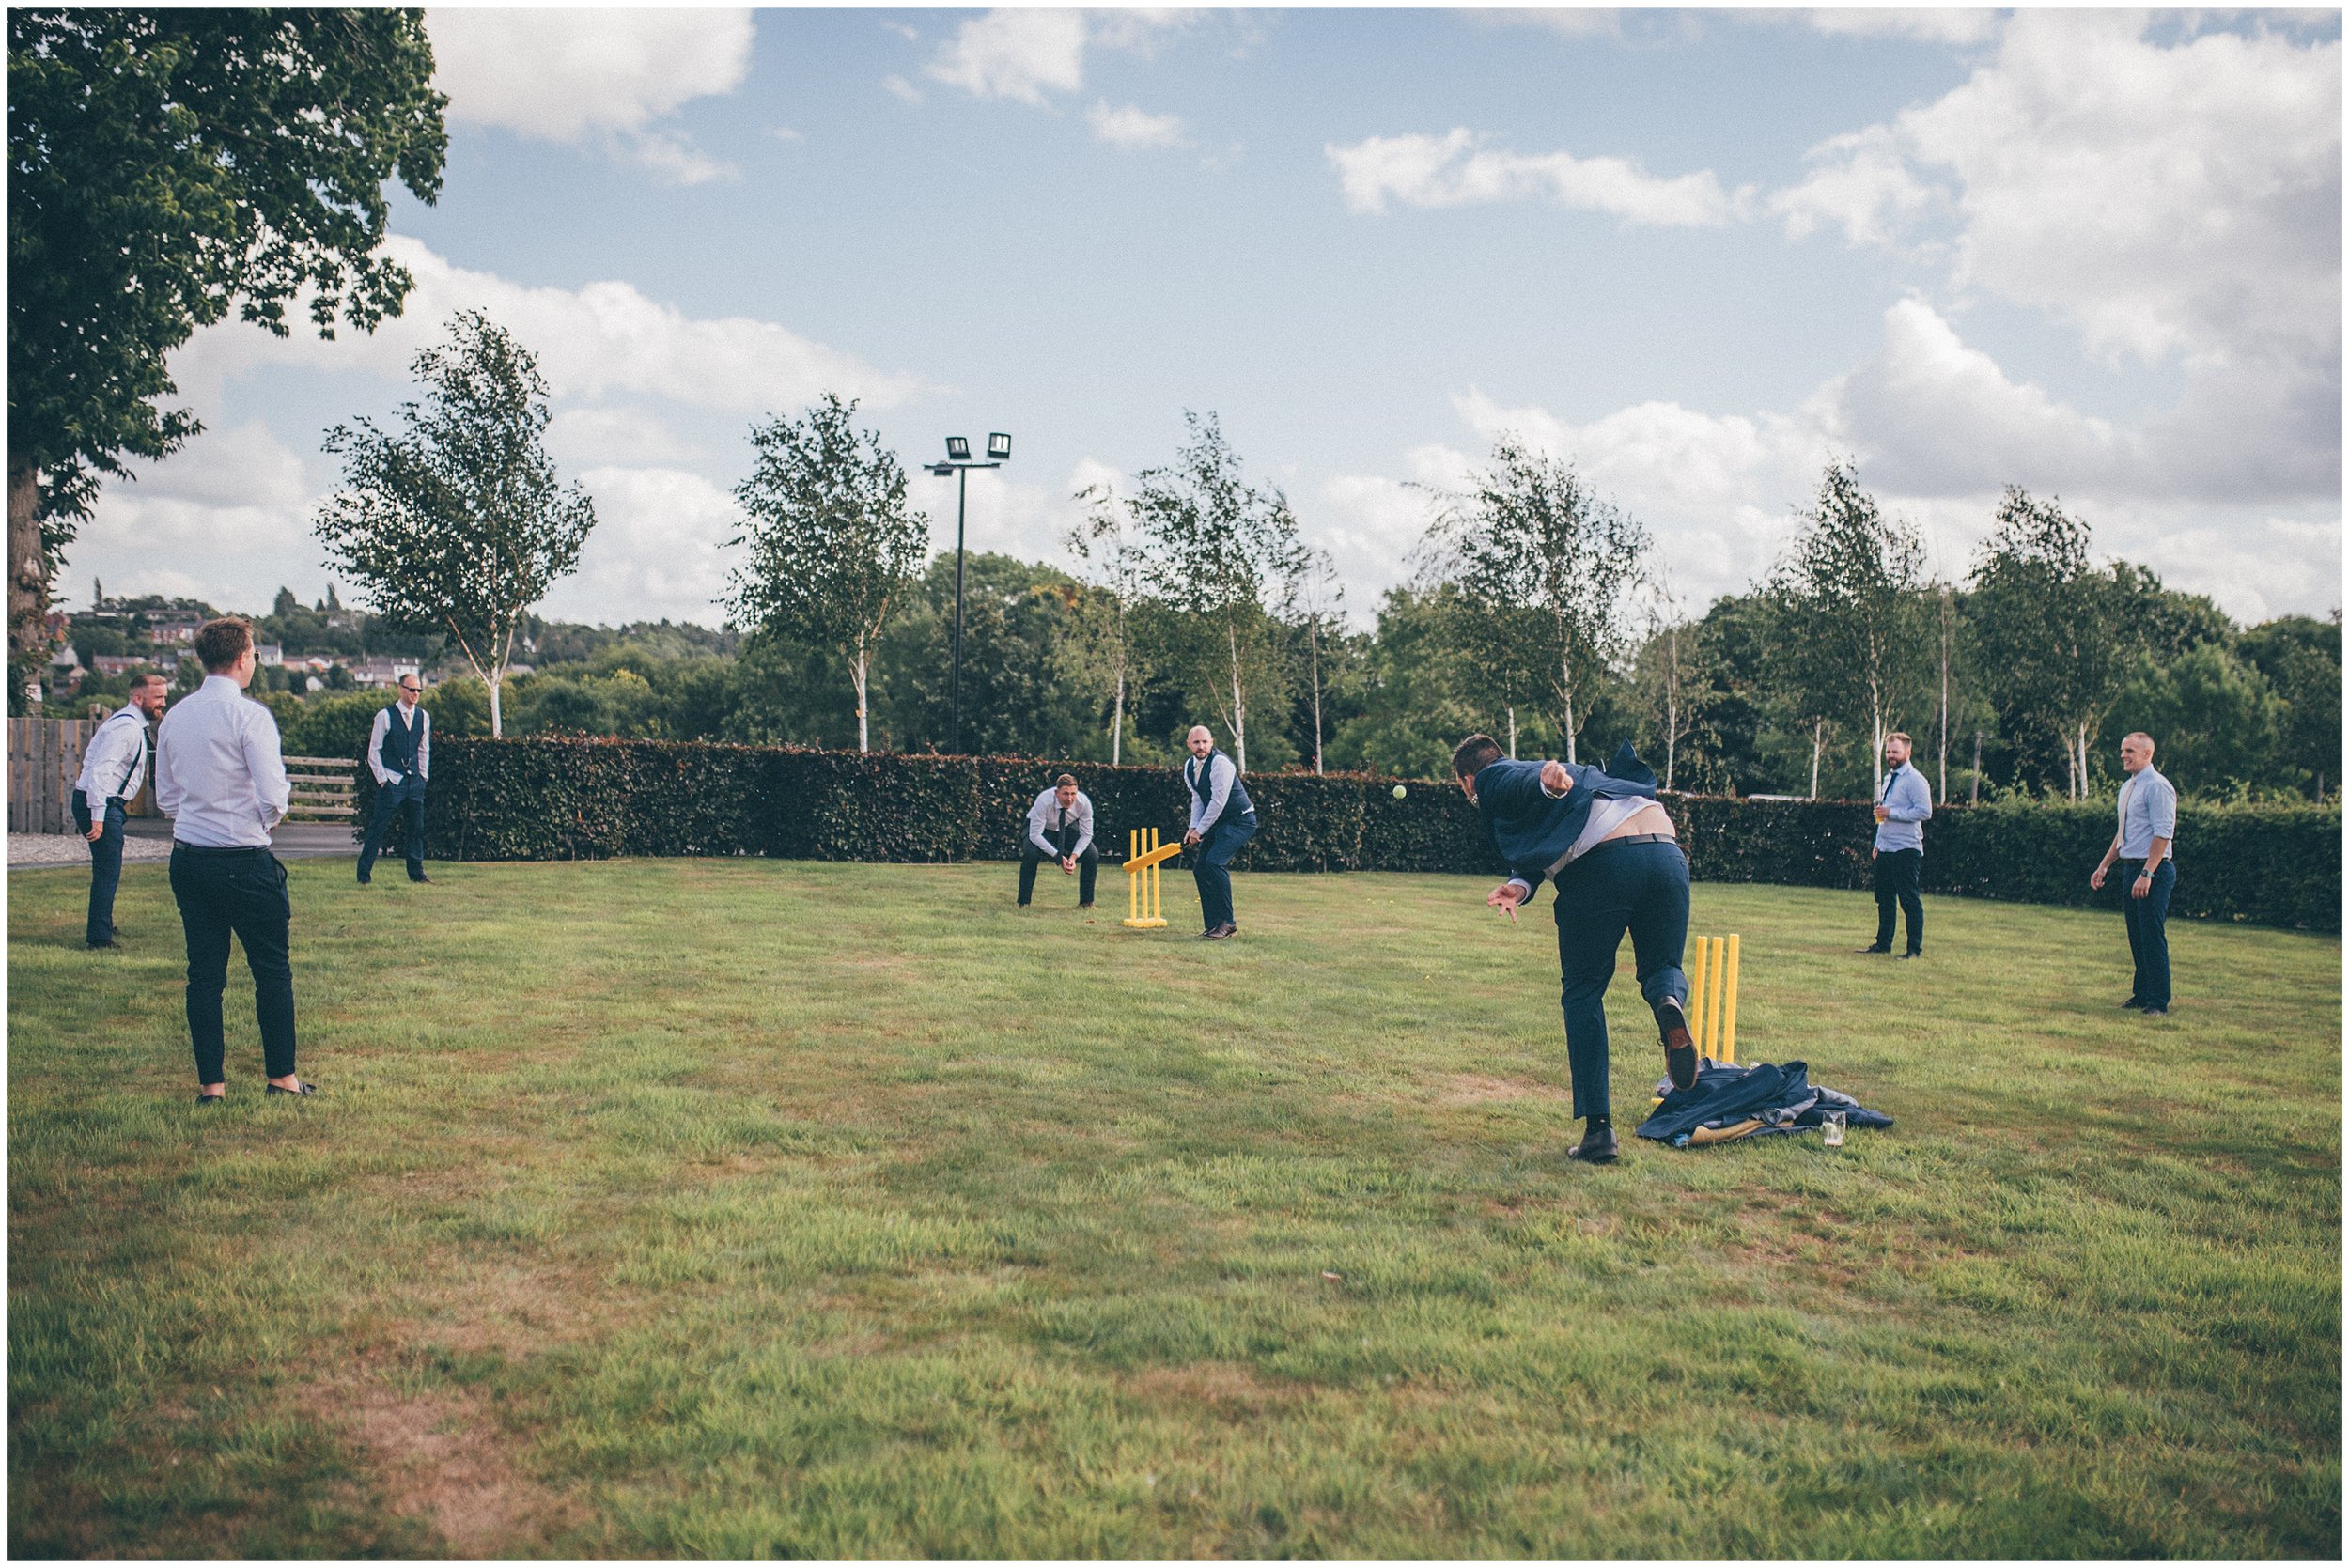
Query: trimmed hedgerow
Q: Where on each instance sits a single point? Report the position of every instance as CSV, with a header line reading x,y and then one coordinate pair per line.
x,y
588,799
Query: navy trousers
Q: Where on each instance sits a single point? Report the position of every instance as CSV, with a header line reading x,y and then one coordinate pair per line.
x,y
1639,888
1088,864
1210,863
405,800
1897,874
221,891
105,868
2149,938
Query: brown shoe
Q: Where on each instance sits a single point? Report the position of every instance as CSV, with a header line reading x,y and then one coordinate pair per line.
x,y
1680,1046
1217,933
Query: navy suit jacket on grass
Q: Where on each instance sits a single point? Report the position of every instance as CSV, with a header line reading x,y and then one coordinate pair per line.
x,y
1531,830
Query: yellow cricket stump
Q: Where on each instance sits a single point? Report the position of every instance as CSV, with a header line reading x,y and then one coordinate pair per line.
x,y
1143,855
1713,997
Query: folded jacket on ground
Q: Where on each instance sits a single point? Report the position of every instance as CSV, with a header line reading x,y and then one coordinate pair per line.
x,y
1772,1097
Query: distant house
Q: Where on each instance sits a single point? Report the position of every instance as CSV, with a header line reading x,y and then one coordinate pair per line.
x,y
383,672
270,655
111,664
167,629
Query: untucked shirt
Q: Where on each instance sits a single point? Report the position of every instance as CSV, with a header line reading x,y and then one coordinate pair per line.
x,y
115,762
1907,801
1044,818
2149,810
414,715
219,773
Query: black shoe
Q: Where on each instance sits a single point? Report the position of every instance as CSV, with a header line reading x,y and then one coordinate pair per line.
x,y
1914,952
1871,950
301,1088
2155,1012
1082,909
210,1099
363,878
96,947
1597,1146
420,877
2131,1005
1217,933
1680,1046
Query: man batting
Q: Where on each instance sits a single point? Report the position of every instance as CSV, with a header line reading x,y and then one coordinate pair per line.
x,y
1602,836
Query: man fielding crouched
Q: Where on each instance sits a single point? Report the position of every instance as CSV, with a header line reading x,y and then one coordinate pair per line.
x,y
1602,836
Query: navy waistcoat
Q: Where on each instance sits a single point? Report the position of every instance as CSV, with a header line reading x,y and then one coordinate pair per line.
x,y
399,751
1200,777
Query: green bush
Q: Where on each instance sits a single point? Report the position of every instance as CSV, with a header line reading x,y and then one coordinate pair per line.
x,y
591,798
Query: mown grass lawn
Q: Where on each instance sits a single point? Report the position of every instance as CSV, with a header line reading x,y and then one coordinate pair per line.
x,y
742,1209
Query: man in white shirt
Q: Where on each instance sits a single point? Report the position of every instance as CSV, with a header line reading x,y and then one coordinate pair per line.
x,y
1060,828
220,776
1222,819
400,755
114,767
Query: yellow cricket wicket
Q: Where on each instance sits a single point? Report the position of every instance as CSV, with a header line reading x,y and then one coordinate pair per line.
x,y
1713,996
1142,856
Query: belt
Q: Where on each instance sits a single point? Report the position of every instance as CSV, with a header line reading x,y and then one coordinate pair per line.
x,y
182,846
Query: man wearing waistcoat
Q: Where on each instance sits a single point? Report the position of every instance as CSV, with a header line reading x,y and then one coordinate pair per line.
x,y
1060,828
1903,808
400,755
113,767
1604,839
1221,820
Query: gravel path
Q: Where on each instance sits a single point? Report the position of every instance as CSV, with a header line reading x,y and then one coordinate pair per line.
x,y
39,849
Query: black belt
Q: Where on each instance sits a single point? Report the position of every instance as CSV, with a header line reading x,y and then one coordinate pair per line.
x,y
1633,838
182,846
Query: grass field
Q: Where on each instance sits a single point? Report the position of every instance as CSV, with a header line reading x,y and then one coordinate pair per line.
x,y
743,1208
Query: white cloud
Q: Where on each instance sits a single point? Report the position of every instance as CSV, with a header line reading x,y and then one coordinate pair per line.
x,y
1574,21
1861,182
658,549
1022,53
1017,53
1927,24
596,341
1457,170
580,438
1132,128
596,75
900,88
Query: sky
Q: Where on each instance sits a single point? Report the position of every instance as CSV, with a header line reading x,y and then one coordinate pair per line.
x,y
1698,253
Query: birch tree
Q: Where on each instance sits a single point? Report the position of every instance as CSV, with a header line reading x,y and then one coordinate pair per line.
x,y
1313,596
1104,651
1544,570
831,540
1210,545
455,523
1845,599
2050,626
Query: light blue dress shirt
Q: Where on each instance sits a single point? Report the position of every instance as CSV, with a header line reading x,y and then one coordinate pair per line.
x,y
2149,810
1907,801
219,773
115,762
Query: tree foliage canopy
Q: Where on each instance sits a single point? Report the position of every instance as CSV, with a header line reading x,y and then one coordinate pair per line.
x,y
457,522
168,165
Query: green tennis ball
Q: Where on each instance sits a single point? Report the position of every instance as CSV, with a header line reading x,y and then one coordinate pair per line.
x,y
1398,792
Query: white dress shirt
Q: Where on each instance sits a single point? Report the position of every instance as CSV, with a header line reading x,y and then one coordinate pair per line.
x,y
115,762
408,714
219,773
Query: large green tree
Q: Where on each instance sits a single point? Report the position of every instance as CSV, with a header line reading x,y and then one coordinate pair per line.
x,y
455,523
1851,644
166,167
1544,570
2055,638
833,544
1213,547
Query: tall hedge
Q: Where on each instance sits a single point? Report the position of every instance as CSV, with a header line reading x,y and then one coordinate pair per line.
x,y
588,799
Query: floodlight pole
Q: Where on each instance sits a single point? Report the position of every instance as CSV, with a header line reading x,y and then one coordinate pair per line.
x,y
960,468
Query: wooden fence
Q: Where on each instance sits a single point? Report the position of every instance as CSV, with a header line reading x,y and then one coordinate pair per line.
x,y
323,790
45,757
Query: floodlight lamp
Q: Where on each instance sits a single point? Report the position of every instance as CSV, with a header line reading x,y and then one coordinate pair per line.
x,y
999,447
957,449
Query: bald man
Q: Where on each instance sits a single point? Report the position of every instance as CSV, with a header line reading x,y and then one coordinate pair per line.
x,y
2148,833
1221,820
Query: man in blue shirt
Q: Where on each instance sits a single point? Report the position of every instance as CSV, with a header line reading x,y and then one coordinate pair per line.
x,y
1604,839
113,767
2149,829
1904,805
